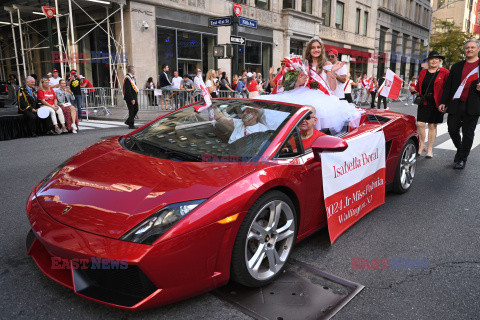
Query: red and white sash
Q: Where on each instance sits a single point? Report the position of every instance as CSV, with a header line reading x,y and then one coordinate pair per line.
x,y
322,84
134,86
472,76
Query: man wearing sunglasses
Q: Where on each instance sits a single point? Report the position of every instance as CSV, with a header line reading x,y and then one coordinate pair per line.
x,y
307,129
341,74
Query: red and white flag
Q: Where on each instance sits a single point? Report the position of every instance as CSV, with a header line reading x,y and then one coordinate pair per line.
x,y
353,181
48,11
391,86
206,97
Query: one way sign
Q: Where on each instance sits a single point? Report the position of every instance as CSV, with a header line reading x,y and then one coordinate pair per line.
x,y
237,39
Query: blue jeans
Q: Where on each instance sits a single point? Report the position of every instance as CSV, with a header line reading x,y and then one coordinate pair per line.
x,y
410,95
78,104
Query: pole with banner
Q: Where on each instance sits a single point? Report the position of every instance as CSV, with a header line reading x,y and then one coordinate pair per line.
x,y
49,11
237,10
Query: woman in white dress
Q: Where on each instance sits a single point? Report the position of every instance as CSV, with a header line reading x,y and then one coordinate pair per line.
x,y
313,85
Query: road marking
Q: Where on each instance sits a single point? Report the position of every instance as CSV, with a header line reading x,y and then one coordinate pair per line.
x,y
448,145
97,125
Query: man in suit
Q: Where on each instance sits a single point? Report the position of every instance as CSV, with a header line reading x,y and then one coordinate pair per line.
x,y
461,100
28,104
130,95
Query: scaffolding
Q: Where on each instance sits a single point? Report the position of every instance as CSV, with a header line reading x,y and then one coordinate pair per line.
x,y
23,48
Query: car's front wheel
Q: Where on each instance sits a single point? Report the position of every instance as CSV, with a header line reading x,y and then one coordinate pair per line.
x,y
406,168
265,240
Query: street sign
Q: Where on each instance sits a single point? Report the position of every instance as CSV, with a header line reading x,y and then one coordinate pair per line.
x,y
237,8
218,22
237,39
48,11
250,23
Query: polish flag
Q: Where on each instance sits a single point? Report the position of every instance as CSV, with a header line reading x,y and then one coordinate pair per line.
x,y
391,86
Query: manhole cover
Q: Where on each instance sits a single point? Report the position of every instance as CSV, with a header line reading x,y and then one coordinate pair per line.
x,y
302,292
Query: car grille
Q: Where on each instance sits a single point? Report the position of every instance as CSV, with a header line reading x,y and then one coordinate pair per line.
x,y
124,287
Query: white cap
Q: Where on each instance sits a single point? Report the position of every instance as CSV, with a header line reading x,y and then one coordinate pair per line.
x,y
249,74
81,77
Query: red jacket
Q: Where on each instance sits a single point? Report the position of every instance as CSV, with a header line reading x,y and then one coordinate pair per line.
x,y
437,85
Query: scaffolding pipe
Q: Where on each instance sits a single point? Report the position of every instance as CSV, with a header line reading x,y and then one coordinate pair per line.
x,y
15,48
123,42
3,73
59,37
109,57
21,43
74,56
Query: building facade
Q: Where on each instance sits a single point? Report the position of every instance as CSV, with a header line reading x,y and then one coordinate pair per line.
x,y
462,13
402,34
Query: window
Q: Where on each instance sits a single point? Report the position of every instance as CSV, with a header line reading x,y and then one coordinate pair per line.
x,y
253,52
393,50
339,15
326,9
262,4
357,21
292,146
365,23
189,45
307,6
288,4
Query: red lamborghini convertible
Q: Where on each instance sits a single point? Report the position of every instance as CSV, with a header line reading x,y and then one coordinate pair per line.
x,y
182,205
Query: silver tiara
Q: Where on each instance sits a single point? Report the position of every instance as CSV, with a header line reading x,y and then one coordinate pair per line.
x,y
315,39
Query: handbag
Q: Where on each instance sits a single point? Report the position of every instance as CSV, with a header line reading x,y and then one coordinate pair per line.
x,y
420,100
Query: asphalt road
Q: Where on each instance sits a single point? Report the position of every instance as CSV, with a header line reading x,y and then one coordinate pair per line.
x,y
437,220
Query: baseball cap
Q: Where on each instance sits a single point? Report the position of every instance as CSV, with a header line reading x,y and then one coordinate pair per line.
x,y
334,51
81,77
73,72
55,70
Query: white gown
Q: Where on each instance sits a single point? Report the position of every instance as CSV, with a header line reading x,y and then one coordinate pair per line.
x,y
332,113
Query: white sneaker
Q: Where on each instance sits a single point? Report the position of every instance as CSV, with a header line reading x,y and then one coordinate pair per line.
x,y
74,127
74,130
406,104
387,108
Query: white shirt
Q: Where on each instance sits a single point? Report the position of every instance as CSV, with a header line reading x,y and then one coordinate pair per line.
x,y
197,81
241,131
53,81
348,86
339,92
177,81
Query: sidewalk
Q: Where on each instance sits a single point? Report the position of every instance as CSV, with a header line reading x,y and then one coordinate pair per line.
x,y
120,114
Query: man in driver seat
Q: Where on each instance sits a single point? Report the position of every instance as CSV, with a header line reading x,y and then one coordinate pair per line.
x,y
250,122
307,129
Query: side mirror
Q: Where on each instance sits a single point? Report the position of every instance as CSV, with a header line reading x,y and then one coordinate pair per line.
x,y
328,143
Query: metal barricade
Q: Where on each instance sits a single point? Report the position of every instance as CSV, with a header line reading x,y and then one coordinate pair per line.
x,y
95,99
12,93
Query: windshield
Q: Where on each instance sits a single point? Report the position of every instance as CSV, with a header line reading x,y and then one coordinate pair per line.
x,y
231,130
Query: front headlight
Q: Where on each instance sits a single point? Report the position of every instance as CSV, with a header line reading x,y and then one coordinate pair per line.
x,y
149,230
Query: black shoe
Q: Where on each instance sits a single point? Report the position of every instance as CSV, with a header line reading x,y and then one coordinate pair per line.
x,y
457,157
459,165
428,157
132,127
126,123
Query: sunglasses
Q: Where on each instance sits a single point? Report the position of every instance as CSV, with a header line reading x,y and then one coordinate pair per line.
x,y
309,117
331,56
282,64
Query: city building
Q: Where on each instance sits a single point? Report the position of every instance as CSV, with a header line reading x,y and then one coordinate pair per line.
x,y
402,34
462,13
105,36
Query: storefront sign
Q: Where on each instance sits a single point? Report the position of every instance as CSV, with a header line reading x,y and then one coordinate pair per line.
x,y
218,22
237,8
48,11
353,181
250,23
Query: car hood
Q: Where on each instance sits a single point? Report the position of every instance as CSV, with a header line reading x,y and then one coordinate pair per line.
x,y
107,190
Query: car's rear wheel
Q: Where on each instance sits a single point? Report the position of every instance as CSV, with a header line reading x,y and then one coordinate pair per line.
x,y
265,240
407,164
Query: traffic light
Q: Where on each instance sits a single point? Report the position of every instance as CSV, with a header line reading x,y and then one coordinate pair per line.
x,y
218,51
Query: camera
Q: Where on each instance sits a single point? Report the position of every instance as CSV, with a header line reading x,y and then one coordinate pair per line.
x,y
145,25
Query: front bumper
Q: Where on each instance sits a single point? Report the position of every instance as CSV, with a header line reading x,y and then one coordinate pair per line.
x,y
129,275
